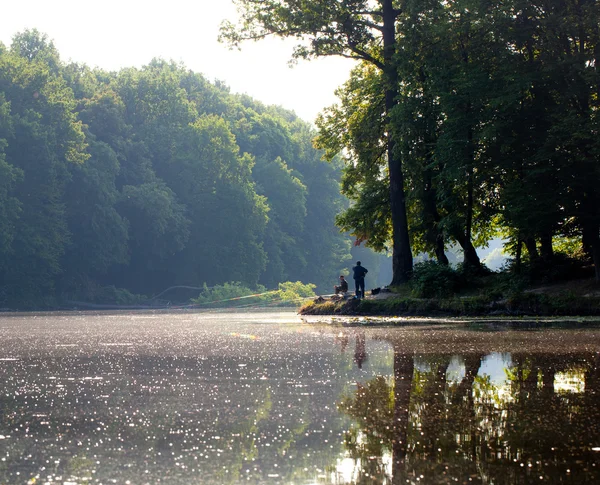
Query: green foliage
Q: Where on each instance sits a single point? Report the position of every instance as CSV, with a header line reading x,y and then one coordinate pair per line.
x,y
507,284
110,295
235,294
158,222
433,280
40,138
355,126
295,291
228,294
153,177
35,46
10,207
99,234
571,246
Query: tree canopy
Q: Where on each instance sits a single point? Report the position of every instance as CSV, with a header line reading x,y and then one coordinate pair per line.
x,y
146,178
463,120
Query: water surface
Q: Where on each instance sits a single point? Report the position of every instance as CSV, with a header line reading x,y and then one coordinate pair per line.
x,y
224,397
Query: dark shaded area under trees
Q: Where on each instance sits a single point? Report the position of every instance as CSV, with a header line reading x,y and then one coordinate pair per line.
x,y
121,183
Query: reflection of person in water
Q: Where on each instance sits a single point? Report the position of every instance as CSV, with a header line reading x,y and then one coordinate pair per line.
x,y
360,352
342,338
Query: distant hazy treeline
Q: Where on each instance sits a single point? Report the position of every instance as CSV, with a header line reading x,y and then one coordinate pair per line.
x,y
152,177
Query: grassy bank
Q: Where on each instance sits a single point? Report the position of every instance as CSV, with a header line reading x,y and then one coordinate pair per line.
x,y
443,291
532,304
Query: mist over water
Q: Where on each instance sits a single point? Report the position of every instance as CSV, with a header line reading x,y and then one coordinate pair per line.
x,y
248,397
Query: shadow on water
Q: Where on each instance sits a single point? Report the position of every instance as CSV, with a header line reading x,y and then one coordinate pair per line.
x,y
243,398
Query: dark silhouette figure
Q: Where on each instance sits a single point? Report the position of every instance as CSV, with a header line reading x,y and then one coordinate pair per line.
x,y
359,279
342,288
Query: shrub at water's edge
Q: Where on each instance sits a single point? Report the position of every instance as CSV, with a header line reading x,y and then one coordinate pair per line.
x,y
236,295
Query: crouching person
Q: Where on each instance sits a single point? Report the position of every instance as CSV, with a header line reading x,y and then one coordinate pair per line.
x,y
342,288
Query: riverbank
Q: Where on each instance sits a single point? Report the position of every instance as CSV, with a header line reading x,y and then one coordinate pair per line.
x,y
576,299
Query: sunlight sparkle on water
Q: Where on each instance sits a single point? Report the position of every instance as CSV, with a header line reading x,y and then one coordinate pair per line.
x,y
266,399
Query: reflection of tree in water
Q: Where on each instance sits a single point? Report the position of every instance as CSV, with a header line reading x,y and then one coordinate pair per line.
x,y
550,432
382,409
373,407
474,430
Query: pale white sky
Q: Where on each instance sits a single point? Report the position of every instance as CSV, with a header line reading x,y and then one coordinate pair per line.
x,y
112,34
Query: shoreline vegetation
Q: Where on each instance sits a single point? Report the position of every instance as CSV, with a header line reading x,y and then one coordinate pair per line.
x,y
527,304
440,291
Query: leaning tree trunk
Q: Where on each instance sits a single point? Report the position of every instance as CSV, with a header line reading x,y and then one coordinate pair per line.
x,y
548,374
401,252
440,251
472,366
471,258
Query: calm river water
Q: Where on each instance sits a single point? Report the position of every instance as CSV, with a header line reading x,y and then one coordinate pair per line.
x,y
248,397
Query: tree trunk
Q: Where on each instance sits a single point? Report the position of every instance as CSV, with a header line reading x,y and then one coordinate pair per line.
x,y
432,218
472,366
546,250
530,384
591,244
471,259
596,258
518,255
531,246
469,215
401,253
440,251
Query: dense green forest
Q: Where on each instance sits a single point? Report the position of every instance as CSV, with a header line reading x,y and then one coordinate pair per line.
x,y
121,183
464,120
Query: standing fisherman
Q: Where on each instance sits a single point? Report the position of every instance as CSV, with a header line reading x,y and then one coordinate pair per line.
x,y
359,279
